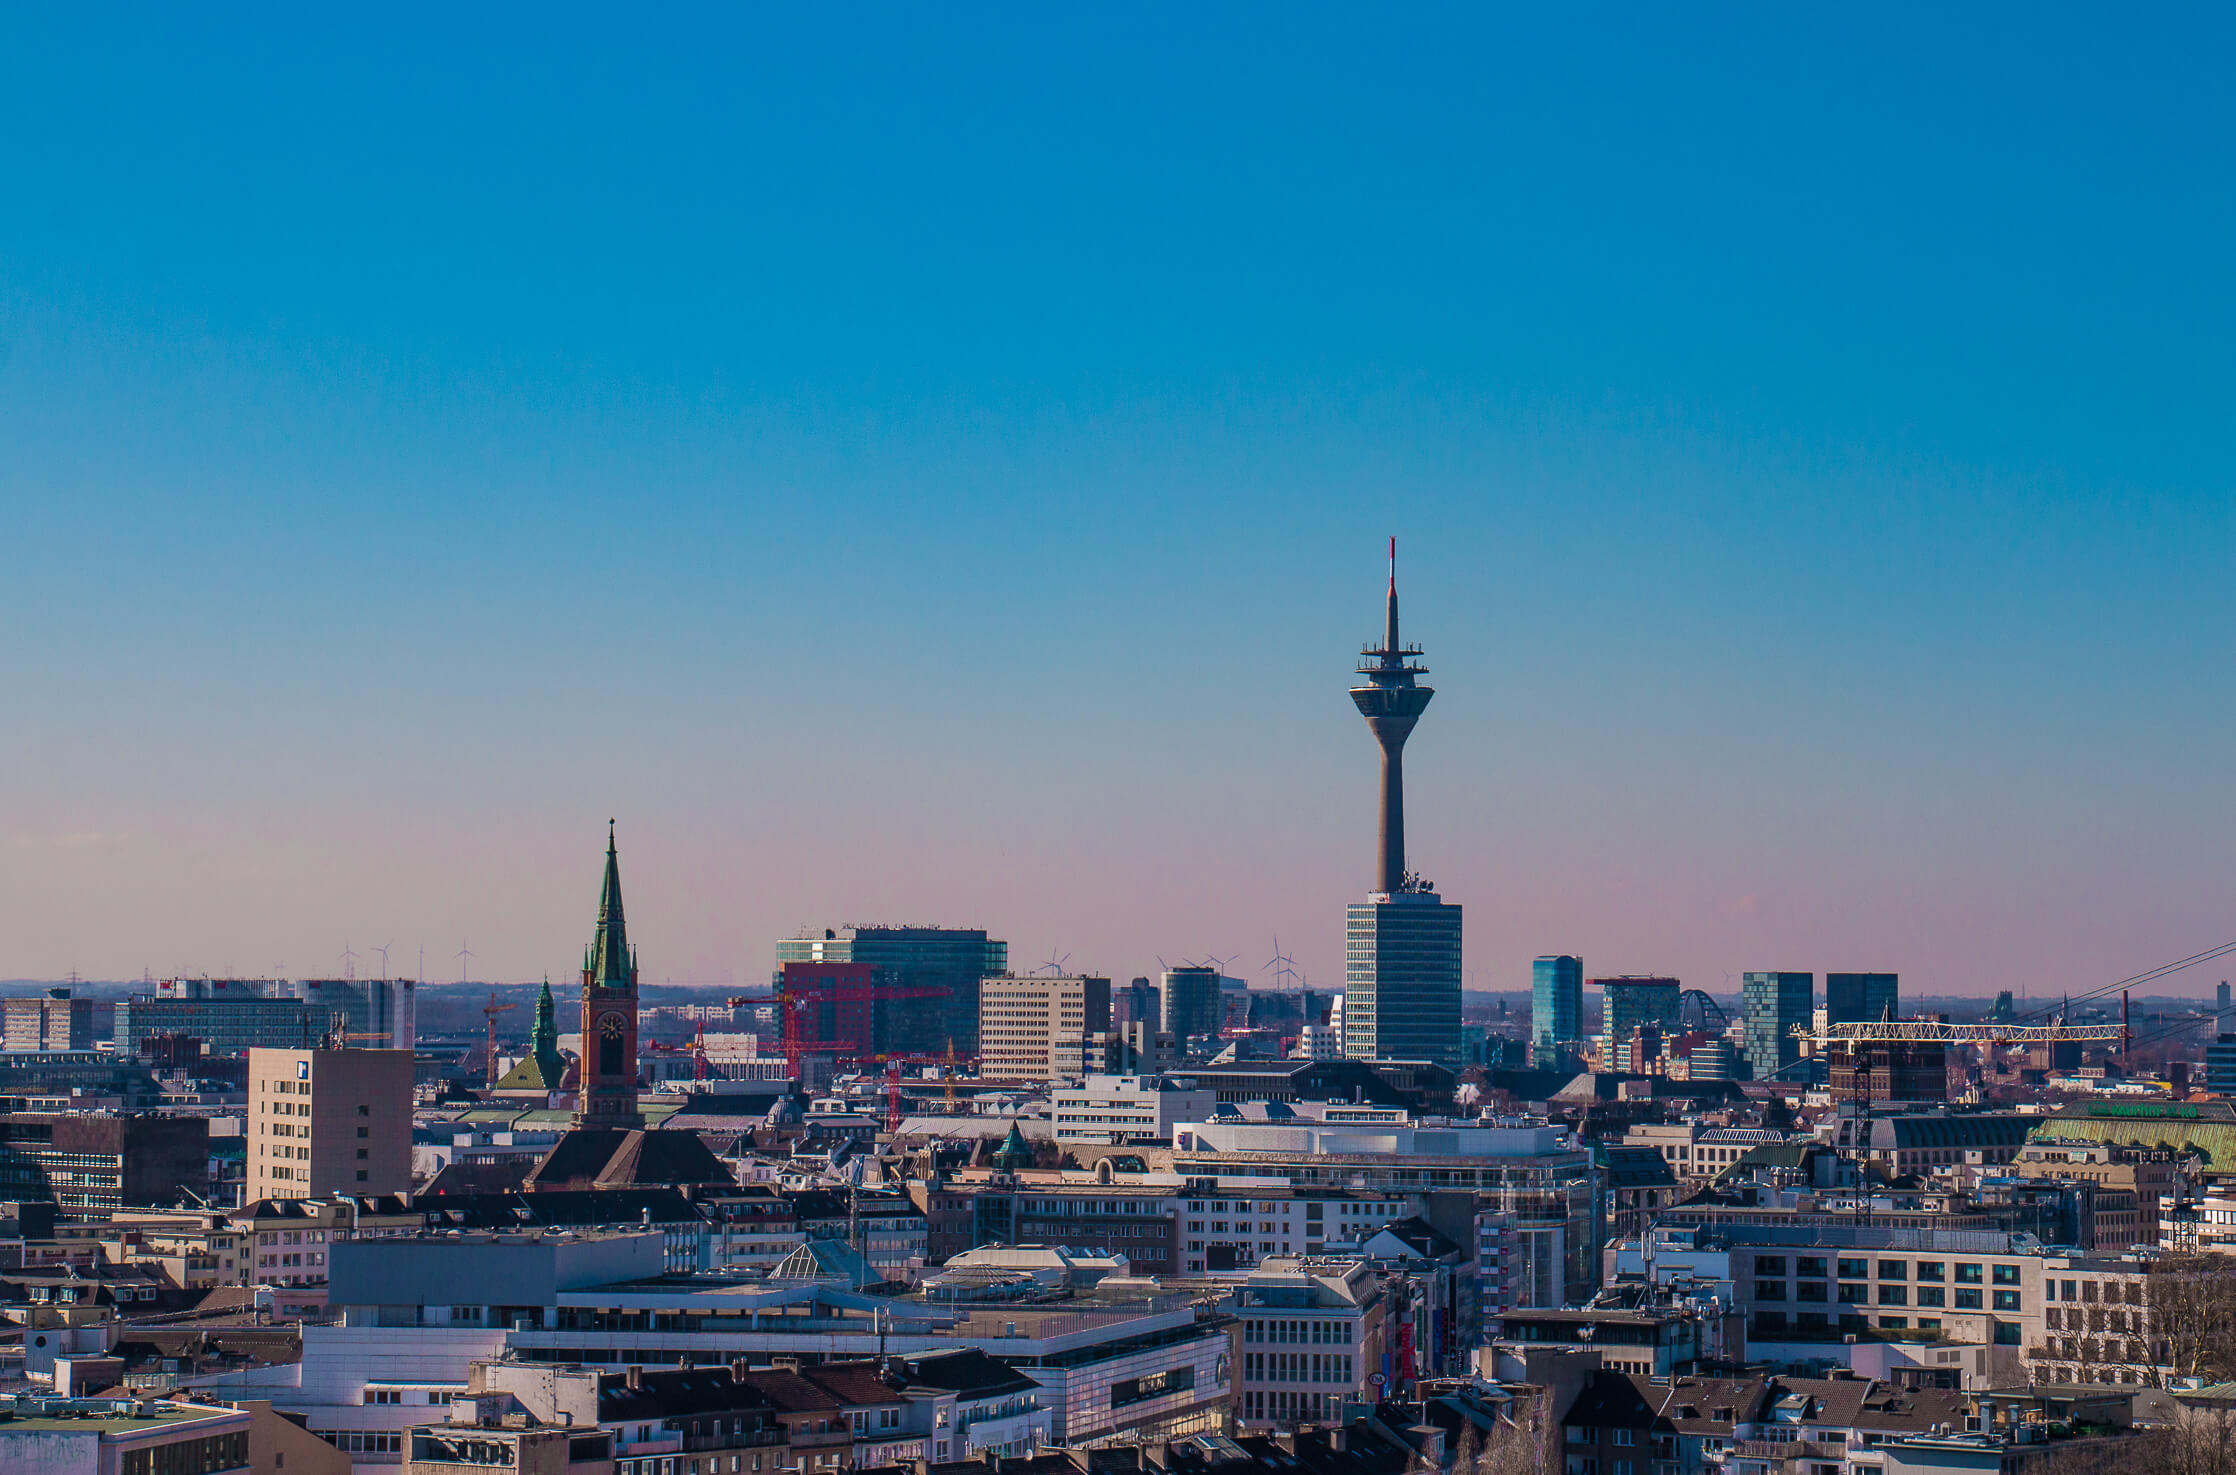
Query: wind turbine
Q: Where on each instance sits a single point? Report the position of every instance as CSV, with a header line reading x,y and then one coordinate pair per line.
x,y
349,960
383,951
1284,967
1054,964
464,952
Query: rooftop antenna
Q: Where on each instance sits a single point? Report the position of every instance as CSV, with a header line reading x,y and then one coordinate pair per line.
x,y
349,960
464,952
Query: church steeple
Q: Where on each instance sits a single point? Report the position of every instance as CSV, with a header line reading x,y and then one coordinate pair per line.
x,y
609,961
609,1013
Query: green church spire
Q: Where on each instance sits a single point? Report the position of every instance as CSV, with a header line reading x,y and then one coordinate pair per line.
x,y
610,961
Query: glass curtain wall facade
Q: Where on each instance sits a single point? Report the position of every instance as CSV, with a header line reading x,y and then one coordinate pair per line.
x,y
1774,1005
1556,1001
1401,979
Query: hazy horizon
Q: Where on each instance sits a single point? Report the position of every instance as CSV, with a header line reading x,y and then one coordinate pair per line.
x,y
925,467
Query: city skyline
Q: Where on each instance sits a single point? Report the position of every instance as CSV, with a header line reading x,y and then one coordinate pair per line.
x,y
1820,508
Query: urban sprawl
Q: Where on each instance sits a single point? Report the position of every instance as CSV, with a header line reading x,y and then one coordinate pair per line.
x,y
907,1209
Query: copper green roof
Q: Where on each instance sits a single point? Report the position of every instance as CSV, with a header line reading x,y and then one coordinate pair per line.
x,y
543,1068
2207,1128
609,961
1013,1153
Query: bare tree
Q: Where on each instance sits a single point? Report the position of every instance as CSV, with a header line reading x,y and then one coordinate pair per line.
x,y
2192,1301
1520,1444
2196,1441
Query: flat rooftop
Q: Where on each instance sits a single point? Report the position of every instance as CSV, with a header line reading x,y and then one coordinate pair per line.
x,y
113,1423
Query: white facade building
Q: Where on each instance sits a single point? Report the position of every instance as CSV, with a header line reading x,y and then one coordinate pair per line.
x,y
1118,1109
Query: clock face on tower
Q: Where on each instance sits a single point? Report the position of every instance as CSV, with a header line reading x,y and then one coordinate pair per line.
x,y
613,1037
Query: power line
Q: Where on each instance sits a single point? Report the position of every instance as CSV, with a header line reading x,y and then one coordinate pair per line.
x,y
2146,976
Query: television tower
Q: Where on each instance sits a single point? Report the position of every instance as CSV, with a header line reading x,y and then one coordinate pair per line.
x,y
1391,701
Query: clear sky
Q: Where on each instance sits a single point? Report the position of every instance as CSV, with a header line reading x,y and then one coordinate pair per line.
x,y
932,464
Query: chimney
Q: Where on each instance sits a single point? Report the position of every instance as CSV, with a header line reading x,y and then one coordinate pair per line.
x,y
1339,1439
635,1375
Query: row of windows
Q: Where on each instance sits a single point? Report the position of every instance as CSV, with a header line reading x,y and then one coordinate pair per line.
x,y
1283,1406
1325,1330
1297,1367
188,1456
1968,1272
1857,1293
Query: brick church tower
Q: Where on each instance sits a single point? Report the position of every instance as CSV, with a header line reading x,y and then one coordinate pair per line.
x,y
609,1014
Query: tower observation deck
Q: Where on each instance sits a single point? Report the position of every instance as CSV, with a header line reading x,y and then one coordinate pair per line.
x,y
1401,971
1391,700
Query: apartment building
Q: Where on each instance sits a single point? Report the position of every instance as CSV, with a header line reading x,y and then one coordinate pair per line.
x,y
328,1121
1313,1332
196,1249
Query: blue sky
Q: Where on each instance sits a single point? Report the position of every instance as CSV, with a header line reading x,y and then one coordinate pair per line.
x,y
926,465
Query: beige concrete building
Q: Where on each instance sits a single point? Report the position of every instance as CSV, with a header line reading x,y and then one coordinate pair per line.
x,y
2130,1181
328,1121
1036,1029
53,1020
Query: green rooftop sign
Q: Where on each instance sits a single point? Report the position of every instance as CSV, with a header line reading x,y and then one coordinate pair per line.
x,y
2157,1110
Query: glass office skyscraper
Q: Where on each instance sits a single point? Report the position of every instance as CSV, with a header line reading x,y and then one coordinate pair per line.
x,y
1629,1003
1556,1002
1862,998
1401,978
1775,1004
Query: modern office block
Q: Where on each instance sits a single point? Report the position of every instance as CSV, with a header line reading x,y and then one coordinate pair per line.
x,y
328,1121
1628,1002
1862,998
948,960
1191,1001
1040,1029
1401,985
1556,999
1773,1006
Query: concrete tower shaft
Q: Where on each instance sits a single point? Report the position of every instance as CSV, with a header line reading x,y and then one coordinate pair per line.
x,y
1391,701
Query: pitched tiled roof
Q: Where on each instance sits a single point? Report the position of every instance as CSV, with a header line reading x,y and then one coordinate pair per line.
x,y
675,1391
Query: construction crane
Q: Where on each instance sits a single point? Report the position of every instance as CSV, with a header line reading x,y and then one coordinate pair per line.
x,y
489,1012
1933,1032
853,1004
1849,1045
